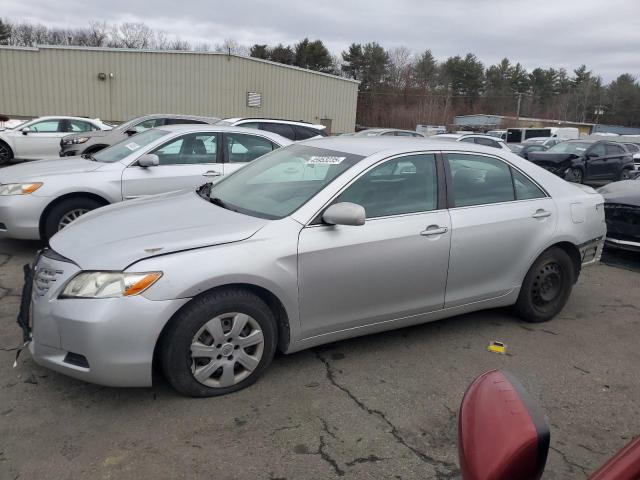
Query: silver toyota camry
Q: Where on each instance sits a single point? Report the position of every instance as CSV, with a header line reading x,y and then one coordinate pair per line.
x,y
320,241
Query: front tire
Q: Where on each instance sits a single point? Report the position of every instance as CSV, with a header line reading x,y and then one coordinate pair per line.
x,y
6,154
219,343
546,287
65,212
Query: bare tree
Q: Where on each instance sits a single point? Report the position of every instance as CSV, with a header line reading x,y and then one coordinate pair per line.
x,y
131,35
400,67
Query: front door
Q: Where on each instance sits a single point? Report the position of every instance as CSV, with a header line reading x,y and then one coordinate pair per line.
x,y
499,219
186,162
42,140
393,266
597,163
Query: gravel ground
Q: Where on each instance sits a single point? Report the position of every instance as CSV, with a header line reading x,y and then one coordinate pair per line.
x,y
382,406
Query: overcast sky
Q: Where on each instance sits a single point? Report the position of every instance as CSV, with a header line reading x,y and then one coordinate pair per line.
x,y
603,34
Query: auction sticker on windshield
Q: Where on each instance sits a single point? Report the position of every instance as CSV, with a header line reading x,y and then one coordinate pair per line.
x,y
315,160
133,146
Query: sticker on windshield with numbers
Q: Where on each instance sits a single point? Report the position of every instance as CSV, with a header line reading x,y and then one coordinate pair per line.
x,y
133,146
325,160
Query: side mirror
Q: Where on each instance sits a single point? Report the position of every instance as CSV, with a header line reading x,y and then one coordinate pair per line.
x,y
501,431
344,213
25,130
149,160
130,132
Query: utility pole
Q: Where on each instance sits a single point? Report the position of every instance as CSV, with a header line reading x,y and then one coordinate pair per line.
x,y
519,103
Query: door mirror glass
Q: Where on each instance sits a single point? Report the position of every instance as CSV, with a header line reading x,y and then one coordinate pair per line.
x,y
344,213
149,160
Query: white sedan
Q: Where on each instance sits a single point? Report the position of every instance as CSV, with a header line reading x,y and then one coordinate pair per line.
x,y
40,137
486,140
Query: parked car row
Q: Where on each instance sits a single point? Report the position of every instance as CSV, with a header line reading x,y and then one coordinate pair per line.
x,y
71,136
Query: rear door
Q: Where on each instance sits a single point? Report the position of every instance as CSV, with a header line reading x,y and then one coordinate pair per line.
x,y
499,221
186,162
597,163
616,155
242,148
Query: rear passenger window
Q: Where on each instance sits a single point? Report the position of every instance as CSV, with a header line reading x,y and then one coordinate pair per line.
x,y
280,128
615,150
525,188
468,140
479,180
303,133
404,185
488,142
245,148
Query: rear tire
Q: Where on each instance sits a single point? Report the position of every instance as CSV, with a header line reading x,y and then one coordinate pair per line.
x,y
65,212
546,287
203,355
6,154
577,175
626,174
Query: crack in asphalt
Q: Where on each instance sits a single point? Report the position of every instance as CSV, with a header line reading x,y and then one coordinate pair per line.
x,y
571,464
369,459
444,470
287,427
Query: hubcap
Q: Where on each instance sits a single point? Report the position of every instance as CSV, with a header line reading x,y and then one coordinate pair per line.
x,y
4,153
548,284
71,216
226,350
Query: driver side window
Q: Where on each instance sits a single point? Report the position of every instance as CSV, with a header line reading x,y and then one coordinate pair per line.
x,y
194,148
46,126
403,185
597,150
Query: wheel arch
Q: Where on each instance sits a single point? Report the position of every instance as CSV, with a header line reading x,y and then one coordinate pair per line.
x,y
573,251
273,302
64,197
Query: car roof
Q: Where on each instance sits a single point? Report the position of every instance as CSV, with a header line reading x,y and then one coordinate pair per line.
x,y
367,146
194,128
300,123
65,117
211,120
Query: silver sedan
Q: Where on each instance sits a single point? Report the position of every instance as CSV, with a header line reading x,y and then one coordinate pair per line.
x,y
37,199
320,241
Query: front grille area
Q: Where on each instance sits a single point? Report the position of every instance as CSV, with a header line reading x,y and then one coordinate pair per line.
x,y
44,278
623,221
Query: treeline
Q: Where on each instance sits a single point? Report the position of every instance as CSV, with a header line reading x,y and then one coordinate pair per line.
x,y
398,87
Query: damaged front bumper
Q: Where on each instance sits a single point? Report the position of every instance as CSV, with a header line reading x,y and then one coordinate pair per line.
x,y
623,226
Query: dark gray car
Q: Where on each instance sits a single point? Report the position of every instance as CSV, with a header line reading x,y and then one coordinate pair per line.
x,y
92,142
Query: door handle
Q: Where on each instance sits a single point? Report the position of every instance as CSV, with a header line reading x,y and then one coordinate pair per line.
x,y
434,230
211,173
541,214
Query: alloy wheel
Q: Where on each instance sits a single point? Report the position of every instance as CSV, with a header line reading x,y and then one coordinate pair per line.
x,y
70,216
576,173
5,154
226,350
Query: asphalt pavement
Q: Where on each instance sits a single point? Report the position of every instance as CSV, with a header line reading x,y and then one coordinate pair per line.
x,y
377,407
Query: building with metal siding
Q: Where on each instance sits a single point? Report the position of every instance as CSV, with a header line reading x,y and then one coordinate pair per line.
x,y
117,84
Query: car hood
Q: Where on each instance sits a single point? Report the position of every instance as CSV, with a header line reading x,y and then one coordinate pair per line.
x,y
114,237
626,192
37,170
547,158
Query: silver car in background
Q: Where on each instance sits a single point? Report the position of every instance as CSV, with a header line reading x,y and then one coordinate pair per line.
x,y
317,242
37,199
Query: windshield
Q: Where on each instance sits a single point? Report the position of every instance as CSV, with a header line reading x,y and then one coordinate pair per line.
x,y
118,151
577,148
367,133
224,123
279,183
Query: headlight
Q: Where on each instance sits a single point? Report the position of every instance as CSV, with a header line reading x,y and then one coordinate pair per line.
x,y
109,284
19,188
74,141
